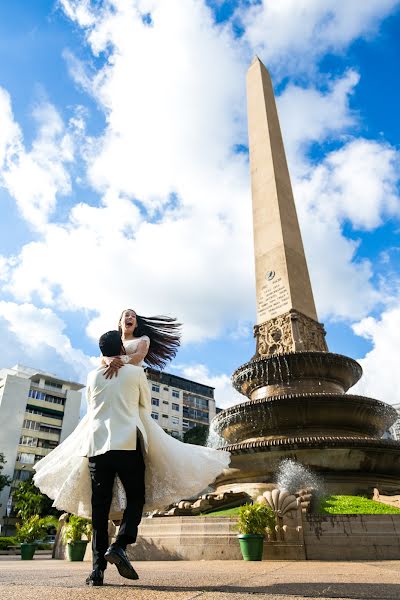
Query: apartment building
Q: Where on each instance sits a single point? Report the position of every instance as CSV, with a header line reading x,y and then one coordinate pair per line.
x,y
37,412
178,404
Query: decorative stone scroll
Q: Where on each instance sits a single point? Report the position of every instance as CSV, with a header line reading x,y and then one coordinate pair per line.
x,y
290,332
287,509
203,504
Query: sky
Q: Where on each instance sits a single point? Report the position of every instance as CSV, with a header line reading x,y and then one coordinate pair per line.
x,y
124,175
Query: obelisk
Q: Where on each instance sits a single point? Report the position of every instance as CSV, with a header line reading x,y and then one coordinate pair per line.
x,y
286,316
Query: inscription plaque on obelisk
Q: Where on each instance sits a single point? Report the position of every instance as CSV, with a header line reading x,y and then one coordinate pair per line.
x,y
286,316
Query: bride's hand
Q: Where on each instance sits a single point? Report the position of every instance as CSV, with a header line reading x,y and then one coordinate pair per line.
x,y
114,366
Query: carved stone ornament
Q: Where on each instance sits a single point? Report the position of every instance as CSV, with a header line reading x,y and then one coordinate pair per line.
x,y
287,509
290,332
280,501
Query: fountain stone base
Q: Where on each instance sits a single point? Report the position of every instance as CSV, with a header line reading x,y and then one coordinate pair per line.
x,y
298,409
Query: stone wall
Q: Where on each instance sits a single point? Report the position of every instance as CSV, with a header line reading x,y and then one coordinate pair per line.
x,y
352,537
201,538
338,537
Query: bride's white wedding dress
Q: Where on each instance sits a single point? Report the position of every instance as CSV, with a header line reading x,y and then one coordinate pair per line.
x,y
174,470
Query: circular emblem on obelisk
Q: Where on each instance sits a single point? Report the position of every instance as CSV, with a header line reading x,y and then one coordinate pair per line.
x,y
270,275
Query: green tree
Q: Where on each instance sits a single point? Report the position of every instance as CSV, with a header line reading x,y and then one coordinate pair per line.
x,y
196,435
27,500
4,479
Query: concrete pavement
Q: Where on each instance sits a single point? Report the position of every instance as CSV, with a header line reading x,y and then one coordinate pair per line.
x,y
46,579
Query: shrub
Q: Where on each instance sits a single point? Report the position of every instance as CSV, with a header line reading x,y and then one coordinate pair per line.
x,y
255,518
35,528
7,541
76,528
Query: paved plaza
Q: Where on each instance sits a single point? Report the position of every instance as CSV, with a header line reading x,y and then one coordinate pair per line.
x,y
46,579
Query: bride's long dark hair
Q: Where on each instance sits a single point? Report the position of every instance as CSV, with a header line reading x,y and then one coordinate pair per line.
x,y
165,337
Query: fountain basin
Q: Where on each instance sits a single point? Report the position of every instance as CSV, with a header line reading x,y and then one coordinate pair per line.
x,y
346,465
296,372
312,415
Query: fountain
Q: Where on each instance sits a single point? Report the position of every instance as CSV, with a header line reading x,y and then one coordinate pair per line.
x,y
297,406
298,433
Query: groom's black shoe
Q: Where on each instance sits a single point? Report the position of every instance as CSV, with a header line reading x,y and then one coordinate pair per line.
x,y
117,556
95,578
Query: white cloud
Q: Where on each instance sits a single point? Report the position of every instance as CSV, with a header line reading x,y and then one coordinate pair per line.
x,y
10,133
357,183
35,177
309,115
172,94
380,365
291,35
40,328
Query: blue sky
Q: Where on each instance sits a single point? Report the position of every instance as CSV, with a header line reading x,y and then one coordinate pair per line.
x,y
123,180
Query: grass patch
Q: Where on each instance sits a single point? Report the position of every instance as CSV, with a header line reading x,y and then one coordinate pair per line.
x,y
354,505
228,512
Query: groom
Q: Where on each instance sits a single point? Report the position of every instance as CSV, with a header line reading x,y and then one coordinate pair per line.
x,y
114,447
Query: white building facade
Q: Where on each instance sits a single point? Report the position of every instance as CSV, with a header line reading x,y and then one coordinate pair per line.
x,y
178,404
37,412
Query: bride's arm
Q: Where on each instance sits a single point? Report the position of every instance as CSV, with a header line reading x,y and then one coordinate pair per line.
x,y
114,363
140,352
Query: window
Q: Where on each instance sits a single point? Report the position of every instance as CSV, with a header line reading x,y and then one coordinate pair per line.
x,y
37,395
26,440
27,424
175,420
47,444
165,416
53,384
185,424
165,402
175,394
155,402
155,388
175,406
21,475
24,457
54,399
47,429
155,416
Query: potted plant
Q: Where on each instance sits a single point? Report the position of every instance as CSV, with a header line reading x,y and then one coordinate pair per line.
x,y
72,534
252,523
31,530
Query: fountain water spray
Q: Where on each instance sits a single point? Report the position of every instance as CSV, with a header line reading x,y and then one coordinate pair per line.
x,y
293,476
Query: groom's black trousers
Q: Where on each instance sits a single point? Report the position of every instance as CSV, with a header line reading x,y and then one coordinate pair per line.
x,y
129,466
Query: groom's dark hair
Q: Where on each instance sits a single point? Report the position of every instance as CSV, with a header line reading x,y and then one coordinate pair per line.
x,y
110,343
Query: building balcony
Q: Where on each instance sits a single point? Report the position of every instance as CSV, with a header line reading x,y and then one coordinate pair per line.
x,y
46,404
19,466
41,435
52,421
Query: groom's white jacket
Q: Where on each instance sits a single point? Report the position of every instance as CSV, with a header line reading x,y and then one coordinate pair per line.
x,y
113,410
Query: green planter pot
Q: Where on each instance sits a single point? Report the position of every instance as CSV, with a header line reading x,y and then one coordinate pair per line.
x,y
251,545
27,551
76,550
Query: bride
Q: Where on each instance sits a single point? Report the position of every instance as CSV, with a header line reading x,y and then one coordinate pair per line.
x,y
174,470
